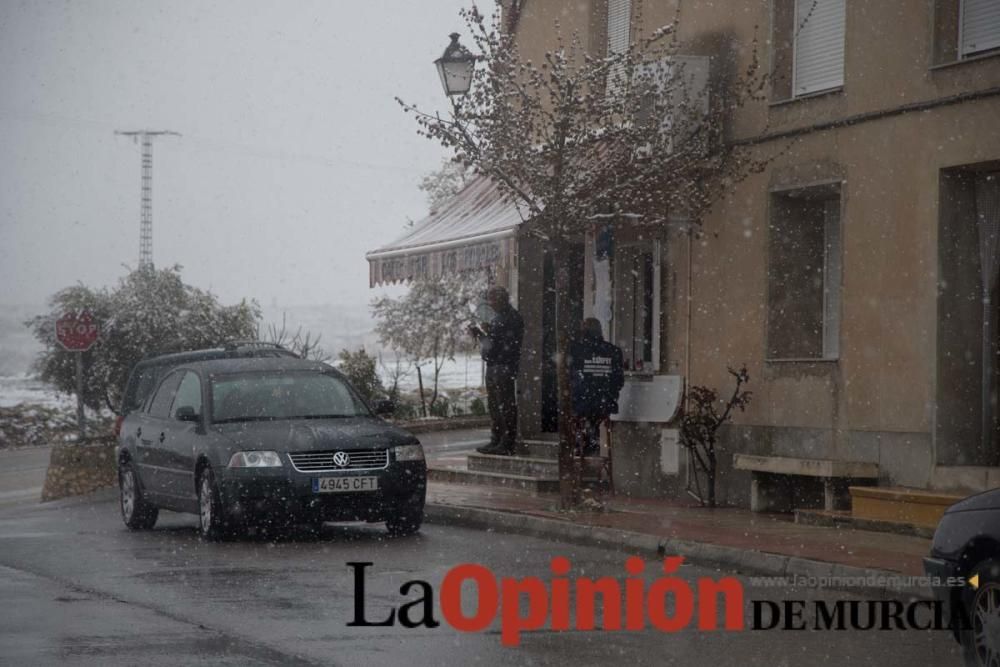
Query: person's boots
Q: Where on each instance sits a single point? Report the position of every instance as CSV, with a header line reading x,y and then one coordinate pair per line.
x,y
492,448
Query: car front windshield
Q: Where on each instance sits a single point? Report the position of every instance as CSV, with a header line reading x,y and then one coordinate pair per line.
x,y
283,395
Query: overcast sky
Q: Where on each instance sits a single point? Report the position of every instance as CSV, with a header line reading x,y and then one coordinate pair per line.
x,y
294,159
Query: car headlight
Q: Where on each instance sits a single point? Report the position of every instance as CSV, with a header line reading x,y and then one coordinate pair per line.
x,y
409,452
255,460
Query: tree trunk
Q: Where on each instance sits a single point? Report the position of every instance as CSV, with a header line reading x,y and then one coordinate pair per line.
x,y
712,467
420,386
569,479
437,375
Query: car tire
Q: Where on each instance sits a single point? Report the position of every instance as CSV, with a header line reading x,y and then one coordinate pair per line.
x,y
211,519
981,640
405,520
137,513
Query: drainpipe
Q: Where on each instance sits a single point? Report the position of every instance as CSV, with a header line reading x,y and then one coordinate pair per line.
x,y
687,333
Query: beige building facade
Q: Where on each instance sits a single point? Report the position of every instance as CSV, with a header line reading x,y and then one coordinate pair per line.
x,y
847,275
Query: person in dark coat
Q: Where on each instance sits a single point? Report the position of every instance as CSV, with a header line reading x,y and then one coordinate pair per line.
x,y
596,378
500,346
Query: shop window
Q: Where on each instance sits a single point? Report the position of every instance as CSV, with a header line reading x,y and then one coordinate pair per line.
x,y
804,274
636,310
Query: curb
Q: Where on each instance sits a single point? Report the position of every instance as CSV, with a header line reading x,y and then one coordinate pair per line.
x,y
744,561
419,426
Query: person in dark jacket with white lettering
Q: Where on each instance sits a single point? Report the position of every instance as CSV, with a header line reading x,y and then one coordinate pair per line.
x,y
500,344
596,378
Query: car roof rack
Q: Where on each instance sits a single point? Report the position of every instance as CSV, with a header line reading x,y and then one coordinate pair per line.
x,y
256,344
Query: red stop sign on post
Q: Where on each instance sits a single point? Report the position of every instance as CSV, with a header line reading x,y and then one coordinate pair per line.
x,y
77,332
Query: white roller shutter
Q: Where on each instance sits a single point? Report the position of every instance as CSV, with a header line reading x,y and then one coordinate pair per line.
x,y
980,26
819,45
619,18
619,23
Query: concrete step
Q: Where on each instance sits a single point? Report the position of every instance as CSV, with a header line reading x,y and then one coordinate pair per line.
x,y
527,466
533,484
900,504
843,519
541,449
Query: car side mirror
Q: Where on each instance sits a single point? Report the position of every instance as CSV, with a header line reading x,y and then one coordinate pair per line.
x,y
385,406
186,413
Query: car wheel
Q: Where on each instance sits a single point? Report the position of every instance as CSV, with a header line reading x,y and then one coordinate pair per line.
x,y
211,521
136,512
405,520
981,640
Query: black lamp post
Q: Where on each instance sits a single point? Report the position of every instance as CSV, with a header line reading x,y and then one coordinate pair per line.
x,y
455,68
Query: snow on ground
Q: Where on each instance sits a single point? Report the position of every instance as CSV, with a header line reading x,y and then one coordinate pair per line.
x,y
463,373
17,389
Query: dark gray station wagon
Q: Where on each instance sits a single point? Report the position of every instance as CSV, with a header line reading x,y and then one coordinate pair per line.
x,y
255,441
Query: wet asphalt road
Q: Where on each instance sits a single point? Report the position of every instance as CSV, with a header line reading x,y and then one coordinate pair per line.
x,y
77,588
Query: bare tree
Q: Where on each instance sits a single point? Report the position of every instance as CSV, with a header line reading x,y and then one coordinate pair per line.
x,y
394,371
630,136
700,424
427,324
302,343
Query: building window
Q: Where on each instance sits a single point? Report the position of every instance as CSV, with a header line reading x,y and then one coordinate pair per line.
x,y
979,27
619,35
965,29
804,274
636,311
807,46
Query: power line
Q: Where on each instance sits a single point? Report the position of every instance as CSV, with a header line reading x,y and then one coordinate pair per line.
x,y
197,143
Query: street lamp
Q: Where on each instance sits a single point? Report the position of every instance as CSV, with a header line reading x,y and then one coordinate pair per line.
x,y
455,68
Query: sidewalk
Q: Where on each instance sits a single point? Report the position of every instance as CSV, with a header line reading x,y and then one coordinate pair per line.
x,y
735,538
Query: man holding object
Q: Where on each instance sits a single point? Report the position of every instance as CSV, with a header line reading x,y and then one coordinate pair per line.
x,y
500,346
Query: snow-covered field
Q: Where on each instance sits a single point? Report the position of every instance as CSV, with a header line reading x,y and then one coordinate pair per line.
x,y
463,373
18,389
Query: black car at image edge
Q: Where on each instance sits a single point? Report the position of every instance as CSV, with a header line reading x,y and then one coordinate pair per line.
x,y
259,441
966,550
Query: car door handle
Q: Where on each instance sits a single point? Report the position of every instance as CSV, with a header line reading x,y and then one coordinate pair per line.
x,y
163,436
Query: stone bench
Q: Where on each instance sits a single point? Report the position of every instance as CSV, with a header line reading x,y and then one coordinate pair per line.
x,y
773,487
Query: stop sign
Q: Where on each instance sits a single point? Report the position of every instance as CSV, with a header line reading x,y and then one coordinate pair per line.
x,y
77,332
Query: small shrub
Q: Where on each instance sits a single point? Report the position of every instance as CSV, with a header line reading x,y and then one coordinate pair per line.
x,y
362,373
440,407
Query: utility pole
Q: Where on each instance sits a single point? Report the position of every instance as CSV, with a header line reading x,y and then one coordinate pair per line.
x,y
146,193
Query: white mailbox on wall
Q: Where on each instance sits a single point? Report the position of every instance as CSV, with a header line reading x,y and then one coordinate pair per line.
x,y
653,399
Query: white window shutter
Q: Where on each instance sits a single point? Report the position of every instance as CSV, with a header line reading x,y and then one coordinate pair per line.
x,y
819,45
619,29
980,26
619,20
